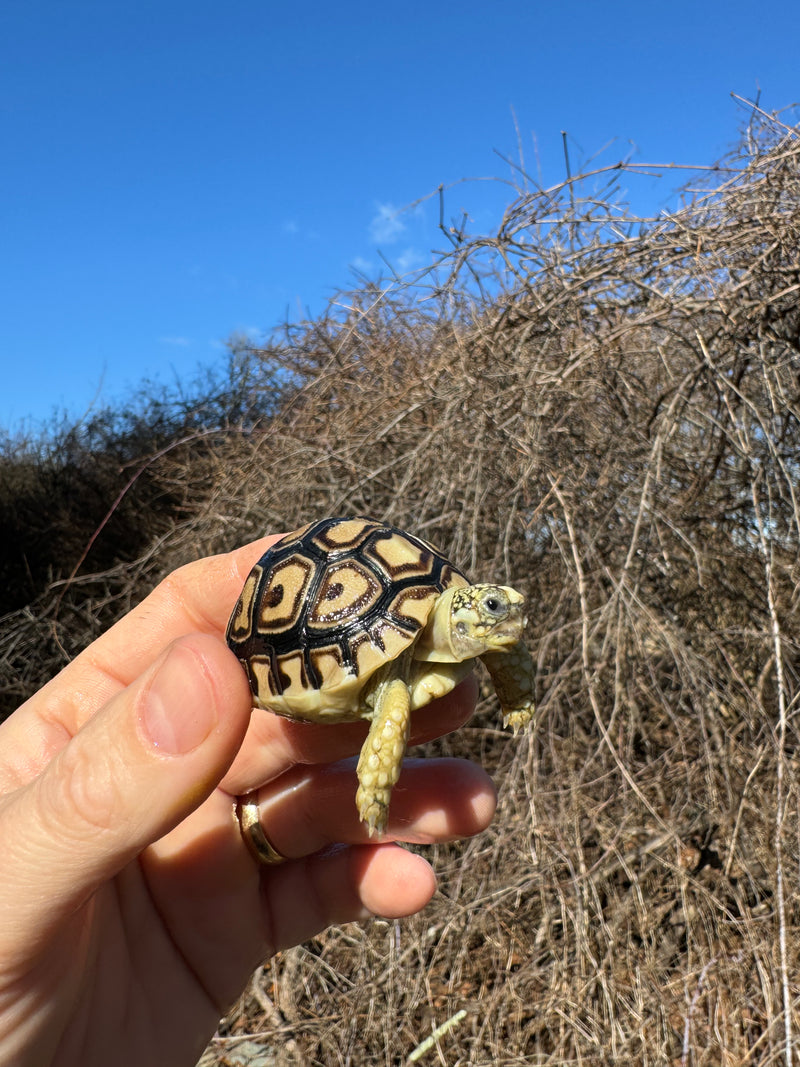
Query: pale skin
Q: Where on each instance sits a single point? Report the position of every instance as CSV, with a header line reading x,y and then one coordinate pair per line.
x,y
131,913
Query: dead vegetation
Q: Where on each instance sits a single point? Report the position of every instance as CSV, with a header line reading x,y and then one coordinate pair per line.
x,y
608,414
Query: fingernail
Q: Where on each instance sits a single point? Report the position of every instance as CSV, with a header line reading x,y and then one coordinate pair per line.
x,y
179,706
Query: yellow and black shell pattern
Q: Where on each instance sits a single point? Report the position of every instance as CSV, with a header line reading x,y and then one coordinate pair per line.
x,y
329,605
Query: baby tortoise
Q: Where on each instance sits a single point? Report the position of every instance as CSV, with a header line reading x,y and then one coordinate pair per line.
x,y
350,618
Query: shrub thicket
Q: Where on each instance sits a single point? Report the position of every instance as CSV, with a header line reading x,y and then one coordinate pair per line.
x,y
607,412
84,508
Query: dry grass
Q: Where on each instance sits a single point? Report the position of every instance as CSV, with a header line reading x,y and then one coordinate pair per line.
x,y
607,414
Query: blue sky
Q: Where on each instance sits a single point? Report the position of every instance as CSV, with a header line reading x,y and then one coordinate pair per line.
x,y
173,172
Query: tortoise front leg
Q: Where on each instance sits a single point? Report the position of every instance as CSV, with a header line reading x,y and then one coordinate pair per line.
x,y
513,675
382,754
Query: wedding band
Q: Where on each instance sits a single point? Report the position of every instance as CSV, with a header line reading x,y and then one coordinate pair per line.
x,y
258,844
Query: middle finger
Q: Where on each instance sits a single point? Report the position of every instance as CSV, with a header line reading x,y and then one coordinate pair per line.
x,y
273,744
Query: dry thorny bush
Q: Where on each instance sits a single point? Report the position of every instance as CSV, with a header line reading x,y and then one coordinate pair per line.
x,y
606,414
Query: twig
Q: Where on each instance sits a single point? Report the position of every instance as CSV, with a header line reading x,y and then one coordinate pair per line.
x,y
780,802
440,1031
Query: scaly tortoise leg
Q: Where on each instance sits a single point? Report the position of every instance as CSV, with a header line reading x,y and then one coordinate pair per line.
x,y
382,754
513,674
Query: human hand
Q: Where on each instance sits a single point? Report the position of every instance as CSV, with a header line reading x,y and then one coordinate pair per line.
x,y
131,913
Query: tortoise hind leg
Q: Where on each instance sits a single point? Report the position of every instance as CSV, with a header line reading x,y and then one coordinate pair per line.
x,y
382,754
513,674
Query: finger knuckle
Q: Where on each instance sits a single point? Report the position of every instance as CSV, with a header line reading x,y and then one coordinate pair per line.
x,y
82,794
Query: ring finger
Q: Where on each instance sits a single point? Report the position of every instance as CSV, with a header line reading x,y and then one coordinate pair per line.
x,y
309,808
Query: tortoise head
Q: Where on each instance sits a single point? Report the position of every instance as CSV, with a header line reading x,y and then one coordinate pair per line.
x,y
470,620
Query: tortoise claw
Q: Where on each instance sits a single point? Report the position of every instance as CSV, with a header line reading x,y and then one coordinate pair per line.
x,y
373,809
520,718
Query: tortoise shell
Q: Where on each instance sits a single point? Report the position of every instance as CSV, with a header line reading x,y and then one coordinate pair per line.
x,y
329,605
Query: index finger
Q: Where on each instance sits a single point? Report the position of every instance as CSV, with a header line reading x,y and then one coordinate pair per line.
x,y
195,598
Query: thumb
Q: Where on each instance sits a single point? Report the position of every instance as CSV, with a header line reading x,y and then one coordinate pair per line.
x,y
133,772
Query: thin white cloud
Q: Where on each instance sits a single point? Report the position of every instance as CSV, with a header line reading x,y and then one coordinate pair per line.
x,y
251,335
292,228
386,225
407,260
180,342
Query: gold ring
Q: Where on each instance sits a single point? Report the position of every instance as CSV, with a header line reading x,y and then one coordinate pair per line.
x,y
258,844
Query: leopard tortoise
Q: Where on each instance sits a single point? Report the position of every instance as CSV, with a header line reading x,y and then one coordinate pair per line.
x,y
350,618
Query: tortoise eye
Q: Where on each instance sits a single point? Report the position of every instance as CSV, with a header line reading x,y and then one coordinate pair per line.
x,y
494,605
